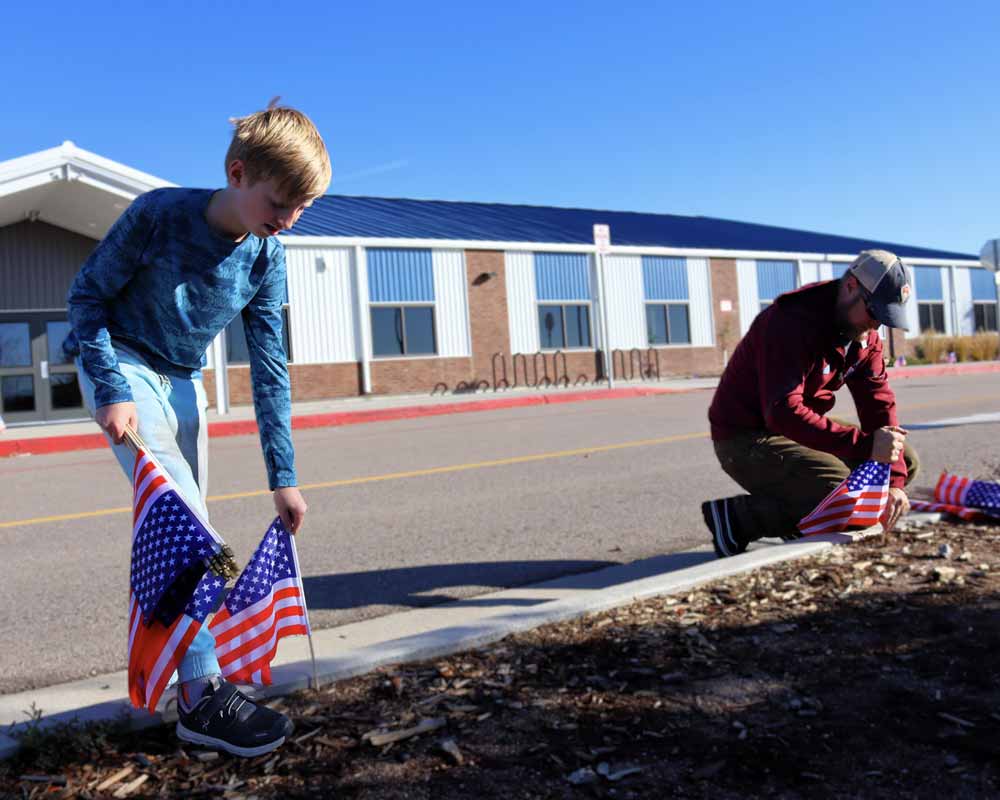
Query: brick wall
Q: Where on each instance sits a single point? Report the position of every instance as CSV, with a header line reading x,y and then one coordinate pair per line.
x,y
487,285
419,375
309,382
725,286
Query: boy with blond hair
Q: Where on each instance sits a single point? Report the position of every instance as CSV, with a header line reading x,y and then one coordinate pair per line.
x,y
173,271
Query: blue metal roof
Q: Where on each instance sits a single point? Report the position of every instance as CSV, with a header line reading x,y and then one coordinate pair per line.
x,y
380,217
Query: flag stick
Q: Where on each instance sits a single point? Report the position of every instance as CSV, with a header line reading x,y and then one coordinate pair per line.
x,y
312,655
309,630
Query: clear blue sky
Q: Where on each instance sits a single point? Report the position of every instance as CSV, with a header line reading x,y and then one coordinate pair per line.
x,y
869,119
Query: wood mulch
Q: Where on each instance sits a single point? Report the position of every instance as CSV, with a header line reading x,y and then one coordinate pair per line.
x,y
870,671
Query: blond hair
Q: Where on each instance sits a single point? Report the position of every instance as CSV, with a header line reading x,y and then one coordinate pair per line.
x,y
281,143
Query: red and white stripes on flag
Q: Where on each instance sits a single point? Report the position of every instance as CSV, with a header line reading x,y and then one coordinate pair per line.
x,y
963,512
155,650
266,604
858,502
171,592
149,482
951,489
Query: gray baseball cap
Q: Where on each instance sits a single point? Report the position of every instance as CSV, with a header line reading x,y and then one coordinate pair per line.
x,y
887,282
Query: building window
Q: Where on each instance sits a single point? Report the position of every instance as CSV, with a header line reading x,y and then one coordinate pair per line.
x,y
985,315
401,298
563,326
667,295
984,299
931,317
930,299
667,323
404,330
237,351
562,286
774,278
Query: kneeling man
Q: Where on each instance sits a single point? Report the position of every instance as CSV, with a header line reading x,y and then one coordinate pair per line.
x,y
769,417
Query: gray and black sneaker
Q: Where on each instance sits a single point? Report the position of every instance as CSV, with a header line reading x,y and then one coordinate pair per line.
x,y
725,538
224,718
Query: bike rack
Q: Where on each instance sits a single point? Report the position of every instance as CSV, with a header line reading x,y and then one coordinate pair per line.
x,y
443,387
602,372
653,355
635,358
502,381
545,370
524,370
561,380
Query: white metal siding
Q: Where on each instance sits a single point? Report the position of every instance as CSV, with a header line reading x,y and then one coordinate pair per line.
x,y
320,304
626,311
746,276
912,312
521,304
825,271
596,312
949,322
700,303
451,304
963,301
808,272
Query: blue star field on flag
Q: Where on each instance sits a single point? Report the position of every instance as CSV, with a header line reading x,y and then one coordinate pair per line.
x,y
168,557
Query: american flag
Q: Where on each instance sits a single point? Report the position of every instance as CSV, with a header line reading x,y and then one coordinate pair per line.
x,y
958,491
963,512
266,604
170,591
171,544
857,503
155,650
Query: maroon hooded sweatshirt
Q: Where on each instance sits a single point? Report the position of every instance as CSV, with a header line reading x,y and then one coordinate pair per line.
x,y
783,373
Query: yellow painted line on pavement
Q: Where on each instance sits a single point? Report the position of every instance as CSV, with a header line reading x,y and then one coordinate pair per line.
x,y
416,473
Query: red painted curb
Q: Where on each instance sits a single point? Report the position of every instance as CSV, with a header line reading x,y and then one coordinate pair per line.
x,y
51,444
91,441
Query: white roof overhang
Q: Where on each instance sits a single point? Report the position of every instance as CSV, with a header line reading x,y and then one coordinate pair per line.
x,y
70,188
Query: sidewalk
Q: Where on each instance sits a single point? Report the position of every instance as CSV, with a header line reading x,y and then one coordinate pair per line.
x,y
83,435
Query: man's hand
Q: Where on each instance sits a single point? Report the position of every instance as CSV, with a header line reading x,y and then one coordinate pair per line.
x,y
896,506
115,417
887,444
291,506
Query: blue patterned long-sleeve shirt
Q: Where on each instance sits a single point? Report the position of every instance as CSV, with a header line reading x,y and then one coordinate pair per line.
x,y
164,283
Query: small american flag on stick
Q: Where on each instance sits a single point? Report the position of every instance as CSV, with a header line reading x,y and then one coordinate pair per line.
x,y
958,491
177,573
267,604
858,502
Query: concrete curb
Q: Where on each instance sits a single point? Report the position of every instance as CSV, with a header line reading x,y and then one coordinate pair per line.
x,y
377,643
44,445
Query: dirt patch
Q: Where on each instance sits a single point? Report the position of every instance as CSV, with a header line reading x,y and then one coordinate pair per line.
x,y
870,671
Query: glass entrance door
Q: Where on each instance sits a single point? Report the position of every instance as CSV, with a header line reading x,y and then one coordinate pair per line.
x,y
37,383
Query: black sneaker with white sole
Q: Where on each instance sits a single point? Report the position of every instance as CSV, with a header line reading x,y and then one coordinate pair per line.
x,y
725,537
224,718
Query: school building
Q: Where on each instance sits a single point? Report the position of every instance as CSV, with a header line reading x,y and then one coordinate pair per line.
x,y
396,296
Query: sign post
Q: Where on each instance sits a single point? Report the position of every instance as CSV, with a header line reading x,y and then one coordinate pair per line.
x,y
602,245
989,257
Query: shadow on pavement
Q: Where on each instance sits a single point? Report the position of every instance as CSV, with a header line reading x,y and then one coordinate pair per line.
x,y
423,586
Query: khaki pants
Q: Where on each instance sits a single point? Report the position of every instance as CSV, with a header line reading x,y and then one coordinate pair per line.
x,y
786,481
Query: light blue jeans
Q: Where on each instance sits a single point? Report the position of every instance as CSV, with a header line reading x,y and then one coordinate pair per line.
x,y
171,413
